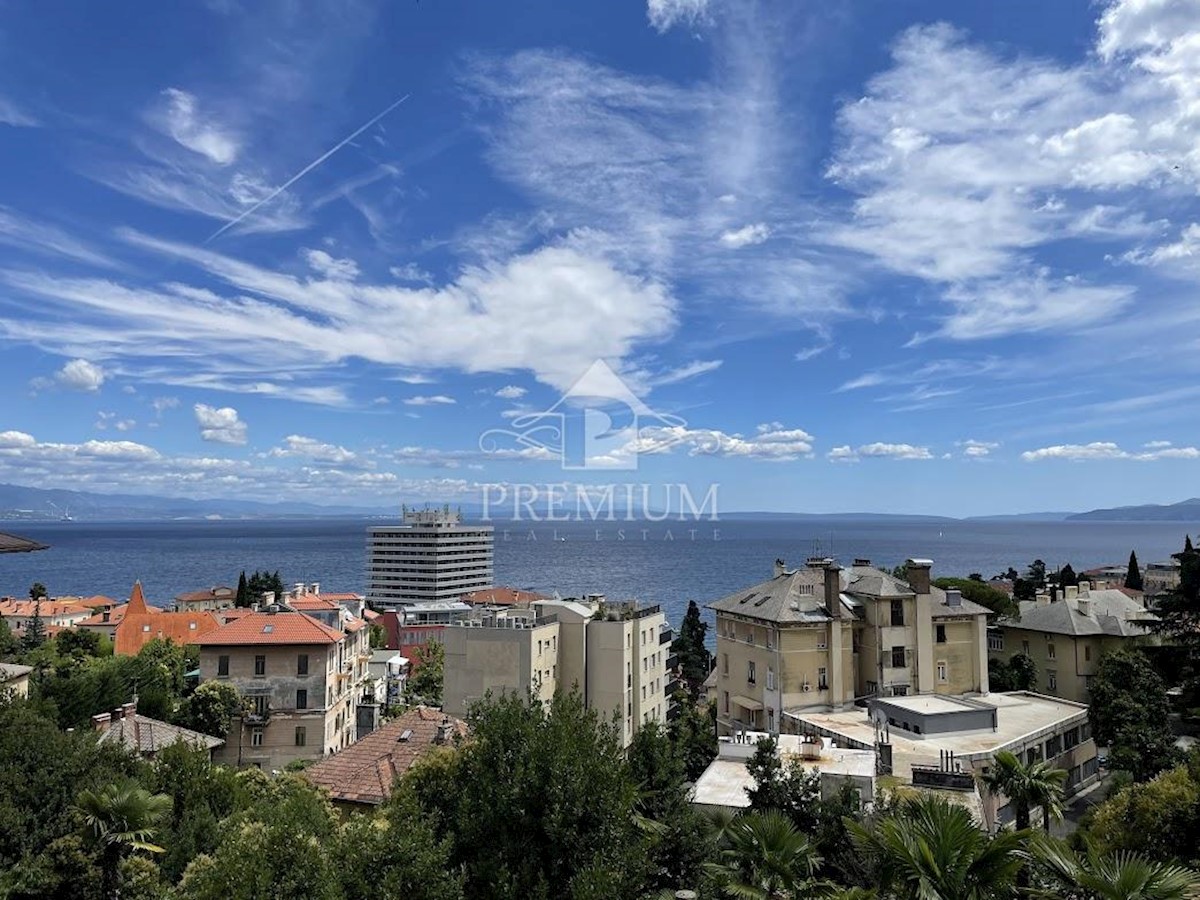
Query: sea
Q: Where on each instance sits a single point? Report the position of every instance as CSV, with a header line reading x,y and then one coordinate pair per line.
x,y
668,563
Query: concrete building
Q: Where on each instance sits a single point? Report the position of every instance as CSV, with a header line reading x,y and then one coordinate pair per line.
x,y
724,784
304,683
1160,577
14,680
945,743
431,557
1066,638
821,637
211,598
614,654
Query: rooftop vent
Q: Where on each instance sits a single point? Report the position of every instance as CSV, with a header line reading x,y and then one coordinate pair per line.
x,y
405,736
954,598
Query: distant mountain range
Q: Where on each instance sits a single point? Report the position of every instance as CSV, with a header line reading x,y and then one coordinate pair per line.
x,y
37,504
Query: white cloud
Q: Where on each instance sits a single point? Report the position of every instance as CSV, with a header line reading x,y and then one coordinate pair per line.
x,y
295,445
666,14
977,449
329,267
684,372
162,404
11,114
20,231
429,400
411,273
511,392
181,119
221,426
770,442
1156,445
1107,450
745,236
80,375
812,352
878,450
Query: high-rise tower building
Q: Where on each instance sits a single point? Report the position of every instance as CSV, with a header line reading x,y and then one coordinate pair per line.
x,y
431,557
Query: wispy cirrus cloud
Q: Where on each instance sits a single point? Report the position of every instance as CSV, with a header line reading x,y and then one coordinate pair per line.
x,y
180,118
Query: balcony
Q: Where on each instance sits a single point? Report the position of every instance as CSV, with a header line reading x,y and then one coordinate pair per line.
x,y
666,636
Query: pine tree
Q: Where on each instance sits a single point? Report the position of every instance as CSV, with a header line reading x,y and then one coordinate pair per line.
x,y
35,629
1067,576
689,646
243,592
1133,576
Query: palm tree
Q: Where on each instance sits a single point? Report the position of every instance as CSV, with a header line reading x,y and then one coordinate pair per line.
x,y
1115,876
931,849
766,858
1027,786
121,818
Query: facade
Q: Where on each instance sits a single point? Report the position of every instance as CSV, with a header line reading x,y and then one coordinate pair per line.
x,y
139,625
303,682
362,775
431,557
1160,577
14,680
1066,638
615,655
53,613
216,597
822,637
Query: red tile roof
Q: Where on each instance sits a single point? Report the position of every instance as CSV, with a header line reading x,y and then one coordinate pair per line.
x,y
271,628
47,609
98,602
365,771
313,602
140,626
115,616
338,596
502,596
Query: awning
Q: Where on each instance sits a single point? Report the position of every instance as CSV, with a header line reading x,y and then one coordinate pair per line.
x,y
747,703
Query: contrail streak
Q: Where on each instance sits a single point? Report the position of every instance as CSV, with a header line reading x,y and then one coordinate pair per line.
x,y
312,165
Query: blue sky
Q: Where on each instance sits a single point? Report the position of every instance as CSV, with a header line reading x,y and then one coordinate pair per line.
x,y
919,257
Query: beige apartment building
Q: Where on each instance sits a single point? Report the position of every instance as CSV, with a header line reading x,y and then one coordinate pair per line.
x,y
614,654
821,637
301,681
1066,638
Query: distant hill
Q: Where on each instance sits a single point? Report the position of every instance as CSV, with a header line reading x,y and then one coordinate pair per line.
x,y
1024,517
1183,511
836,517
17,502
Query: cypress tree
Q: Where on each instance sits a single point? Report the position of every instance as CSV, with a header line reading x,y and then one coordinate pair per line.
x,y
1187,543
243,593
1133,576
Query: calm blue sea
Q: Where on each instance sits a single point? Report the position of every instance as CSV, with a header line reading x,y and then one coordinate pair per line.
x,y
655,563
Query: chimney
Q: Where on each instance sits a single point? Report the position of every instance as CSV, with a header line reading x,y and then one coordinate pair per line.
x,y
268,598
444,730
1043,598
918,574
860,561
1084,605
1085,588
315,587
833,589
780,567
100,722
954,598
105,616
129,710
1072,592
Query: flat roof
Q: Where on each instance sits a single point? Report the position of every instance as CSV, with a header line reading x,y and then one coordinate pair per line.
x,y
1020,715
725,781
930,704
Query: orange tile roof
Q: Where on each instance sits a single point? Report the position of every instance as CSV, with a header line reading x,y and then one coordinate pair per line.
x,y
225,616
370,615
116,615
46,608
311,602
140,626
365,771
284,628
503,596
338,596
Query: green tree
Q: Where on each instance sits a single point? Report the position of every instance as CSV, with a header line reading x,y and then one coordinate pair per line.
x,y
118,819
1114,876
242,599
1159,819
694,733
768,858
1133,574
1024,590
8,643
1037,574
261,583
377,637
1036,784
77,642
539,804
1017,674
694,658
1067,577
1130,712
35,628
425,682
1178,611
210,709
37,591
931,849
980,592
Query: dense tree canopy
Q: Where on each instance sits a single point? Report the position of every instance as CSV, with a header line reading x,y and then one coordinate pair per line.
x,y
980,592
429,668
689,645
1130,712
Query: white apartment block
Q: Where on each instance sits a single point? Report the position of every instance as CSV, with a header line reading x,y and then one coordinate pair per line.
x,y
432,557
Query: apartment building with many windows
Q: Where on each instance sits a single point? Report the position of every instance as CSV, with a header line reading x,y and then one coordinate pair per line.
x,y
615,655
301,681
822,637
432,557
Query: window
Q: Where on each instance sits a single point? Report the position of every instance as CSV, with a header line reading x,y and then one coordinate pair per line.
x,y
222,666
897,657
770,679
1025,647
770,720
302,699
822,679
1054,746
821,640
1087,652
256,737
302,664
260,665
1050,651
897,612
749,635
750,672
1070,738
724,663
1051,680
941,671
301,735
726,702
941,634
770,639
996,640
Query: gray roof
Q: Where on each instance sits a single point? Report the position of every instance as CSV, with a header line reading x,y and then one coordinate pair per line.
x,y
1110,612
799,596
9,671
142,734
